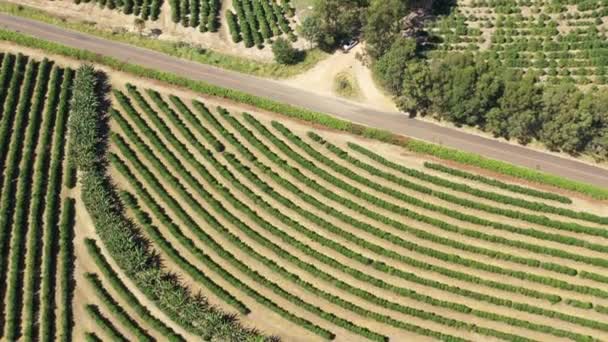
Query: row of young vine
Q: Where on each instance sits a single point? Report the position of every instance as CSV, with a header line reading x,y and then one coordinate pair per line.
x,y
145,9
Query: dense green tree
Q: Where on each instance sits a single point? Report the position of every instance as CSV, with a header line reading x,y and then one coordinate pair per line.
x,y
337,20
417,85
284,52
517,113
382,25
389,69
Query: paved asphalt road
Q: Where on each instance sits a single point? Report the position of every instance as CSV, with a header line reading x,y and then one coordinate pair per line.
x,y
394,122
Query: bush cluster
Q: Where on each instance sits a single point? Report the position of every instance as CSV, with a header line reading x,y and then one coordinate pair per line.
x,y
145,9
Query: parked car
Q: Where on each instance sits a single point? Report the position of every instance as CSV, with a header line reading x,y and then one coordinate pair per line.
x,y
347,45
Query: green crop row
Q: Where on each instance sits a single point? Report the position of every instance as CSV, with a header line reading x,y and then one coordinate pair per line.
x,y
233,25
146,9
286,220
331,262
116,309
499,184
394,208
92,337
66,268
151,179
163,244
32,114
37,195
378,265
8,112
480,221
373,230
17,193
130,299
372,214
198,188
104,324
52,205
243,26
518,202
220,209
6,72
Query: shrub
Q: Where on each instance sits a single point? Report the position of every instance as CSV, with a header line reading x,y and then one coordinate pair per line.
x,y
284,52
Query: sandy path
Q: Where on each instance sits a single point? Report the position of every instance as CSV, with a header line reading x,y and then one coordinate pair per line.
x,y
320,79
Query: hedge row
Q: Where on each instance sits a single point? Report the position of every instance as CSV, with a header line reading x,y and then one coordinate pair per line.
x,y
231,218
499,184
541,220
37,194
517,202
127,296
104,324
6,72
311,116
18,171
145,9
396,209
116,309
375,231
50,219
379,265
66,269
176,121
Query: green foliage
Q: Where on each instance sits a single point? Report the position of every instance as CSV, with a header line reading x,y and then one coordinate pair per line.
x,y
115,309
334,20
389,68
284,52
104,323
231,19
84,108
383,25
499,184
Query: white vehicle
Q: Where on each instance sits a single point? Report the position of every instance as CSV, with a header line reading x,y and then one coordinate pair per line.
x,y
347,45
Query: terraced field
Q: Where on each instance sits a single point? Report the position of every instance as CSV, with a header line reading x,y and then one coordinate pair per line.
x,y
190,220
560,40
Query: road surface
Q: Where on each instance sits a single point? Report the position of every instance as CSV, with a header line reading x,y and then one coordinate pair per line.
x,y
392,121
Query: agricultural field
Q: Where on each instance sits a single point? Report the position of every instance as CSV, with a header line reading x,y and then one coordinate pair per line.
x,y
158,214
558,39
253,22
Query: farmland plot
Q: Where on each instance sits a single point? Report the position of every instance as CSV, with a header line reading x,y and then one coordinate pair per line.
x,y
558,40
309,238
185,219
